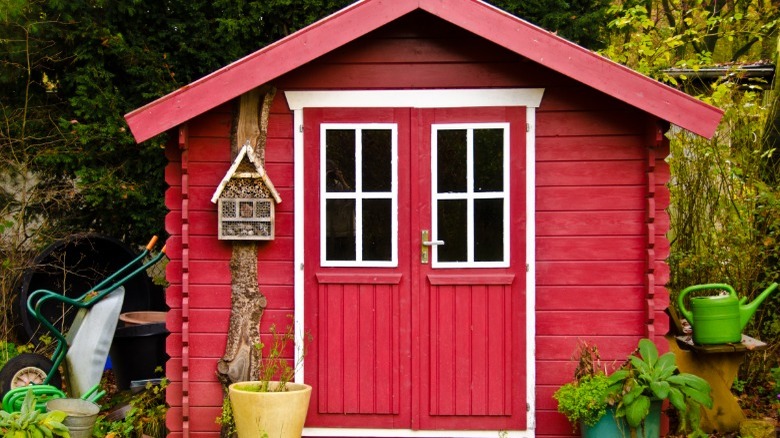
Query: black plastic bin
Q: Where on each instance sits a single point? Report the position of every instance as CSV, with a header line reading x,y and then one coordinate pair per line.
x,y
136,352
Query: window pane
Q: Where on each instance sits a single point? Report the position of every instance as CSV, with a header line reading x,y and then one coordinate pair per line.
x,y
340,164
377,160
451,225
488,230
451,160
340,229
488,160
377,229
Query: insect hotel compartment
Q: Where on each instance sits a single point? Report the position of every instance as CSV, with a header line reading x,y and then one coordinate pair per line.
x,y
246,219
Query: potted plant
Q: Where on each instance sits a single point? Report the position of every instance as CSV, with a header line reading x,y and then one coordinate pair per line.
x,y
628,402
637,390
584,401
268,407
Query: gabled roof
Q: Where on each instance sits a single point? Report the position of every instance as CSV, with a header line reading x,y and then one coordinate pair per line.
x,y
475,16
248,153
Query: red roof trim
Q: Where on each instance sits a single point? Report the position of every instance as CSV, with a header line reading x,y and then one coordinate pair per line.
x,y
475,16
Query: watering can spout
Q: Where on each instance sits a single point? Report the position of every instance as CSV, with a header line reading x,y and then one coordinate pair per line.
x,y
746,311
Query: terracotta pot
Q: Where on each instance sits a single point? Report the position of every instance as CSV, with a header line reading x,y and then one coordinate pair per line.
x,y
142,317
272,414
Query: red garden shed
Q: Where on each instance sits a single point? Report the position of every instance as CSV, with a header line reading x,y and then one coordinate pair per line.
x,y
464,196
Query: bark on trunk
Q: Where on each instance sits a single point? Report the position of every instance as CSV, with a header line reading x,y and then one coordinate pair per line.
x,y
241,360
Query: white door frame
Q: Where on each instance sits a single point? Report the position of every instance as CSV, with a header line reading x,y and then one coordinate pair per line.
x,y
461,98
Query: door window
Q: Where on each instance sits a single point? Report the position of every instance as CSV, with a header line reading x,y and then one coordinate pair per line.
x,y
470,205
359,189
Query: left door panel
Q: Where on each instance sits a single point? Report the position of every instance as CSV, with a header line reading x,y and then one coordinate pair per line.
x,y
356,267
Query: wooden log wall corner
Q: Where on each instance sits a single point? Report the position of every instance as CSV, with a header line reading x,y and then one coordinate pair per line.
x,y
241,361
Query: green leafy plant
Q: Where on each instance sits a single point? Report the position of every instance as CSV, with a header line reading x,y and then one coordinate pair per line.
x,y
648,377
585,400
225,419
145,417
28,422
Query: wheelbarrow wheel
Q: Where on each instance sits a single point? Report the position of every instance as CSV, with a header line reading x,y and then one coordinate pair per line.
x,y
27,369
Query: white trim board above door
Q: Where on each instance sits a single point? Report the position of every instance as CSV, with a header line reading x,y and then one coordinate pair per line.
x,y
451,98
528,97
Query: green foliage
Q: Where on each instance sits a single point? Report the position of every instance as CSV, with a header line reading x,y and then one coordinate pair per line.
x,y
584,400
725,214
648,377
145,417
651,37
9,350
29,423
725,191
74,68
581,21
225,420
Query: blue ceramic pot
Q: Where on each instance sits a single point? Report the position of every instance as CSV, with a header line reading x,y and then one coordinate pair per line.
x,y
609,427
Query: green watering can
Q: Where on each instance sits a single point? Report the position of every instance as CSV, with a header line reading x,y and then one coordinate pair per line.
x,y
719,319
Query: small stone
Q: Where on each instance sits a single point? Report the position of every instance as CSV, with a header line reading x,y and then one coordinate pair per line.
x,y
756,429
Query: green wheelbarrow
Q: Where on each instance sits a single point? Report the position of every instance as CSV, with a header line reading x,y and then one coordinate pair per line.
x,y
83,350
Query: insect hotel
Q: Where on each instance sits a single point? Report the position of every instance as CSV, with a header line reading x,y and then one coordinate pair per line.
x,y
245,200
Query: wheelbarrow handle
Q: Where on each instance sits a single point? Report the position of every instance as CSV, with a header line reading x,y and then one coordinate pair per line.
x,y
151,243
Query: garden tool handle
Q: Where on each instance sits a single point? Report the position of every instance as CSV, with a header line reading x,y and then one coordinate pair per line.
x,y
151,243
93,395
681,298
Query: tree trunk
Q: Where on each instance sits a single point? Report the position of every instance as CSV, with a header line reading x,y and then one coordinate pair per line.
x,y
241,361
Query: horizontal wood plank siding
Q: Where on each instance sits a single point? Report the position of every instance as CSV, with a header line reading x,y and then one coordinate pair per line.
x,y
591,250
591,246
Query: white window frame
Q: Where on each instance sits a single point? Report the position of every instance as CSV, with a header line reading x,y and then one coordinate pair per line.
x,y
358,195
470,195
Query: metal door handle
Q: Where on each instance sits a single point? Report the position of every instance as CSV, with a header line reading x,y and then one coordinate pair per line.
x,y
426,244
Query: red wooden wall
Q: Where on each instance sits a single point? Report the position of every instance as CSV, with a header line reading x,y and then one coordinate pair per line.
x,y
600,212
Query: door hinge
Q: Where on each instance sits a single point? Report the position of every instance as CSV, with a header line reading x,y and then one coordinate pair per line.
x,y
527,127
300,128
527,267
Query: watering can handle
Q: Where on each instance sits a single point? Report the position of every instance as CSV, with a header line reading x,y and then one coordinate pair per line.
x,y
681,298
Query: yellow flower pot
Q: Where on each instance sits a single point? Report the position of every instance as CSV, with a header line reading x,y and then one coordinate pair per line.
x,y
269,414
